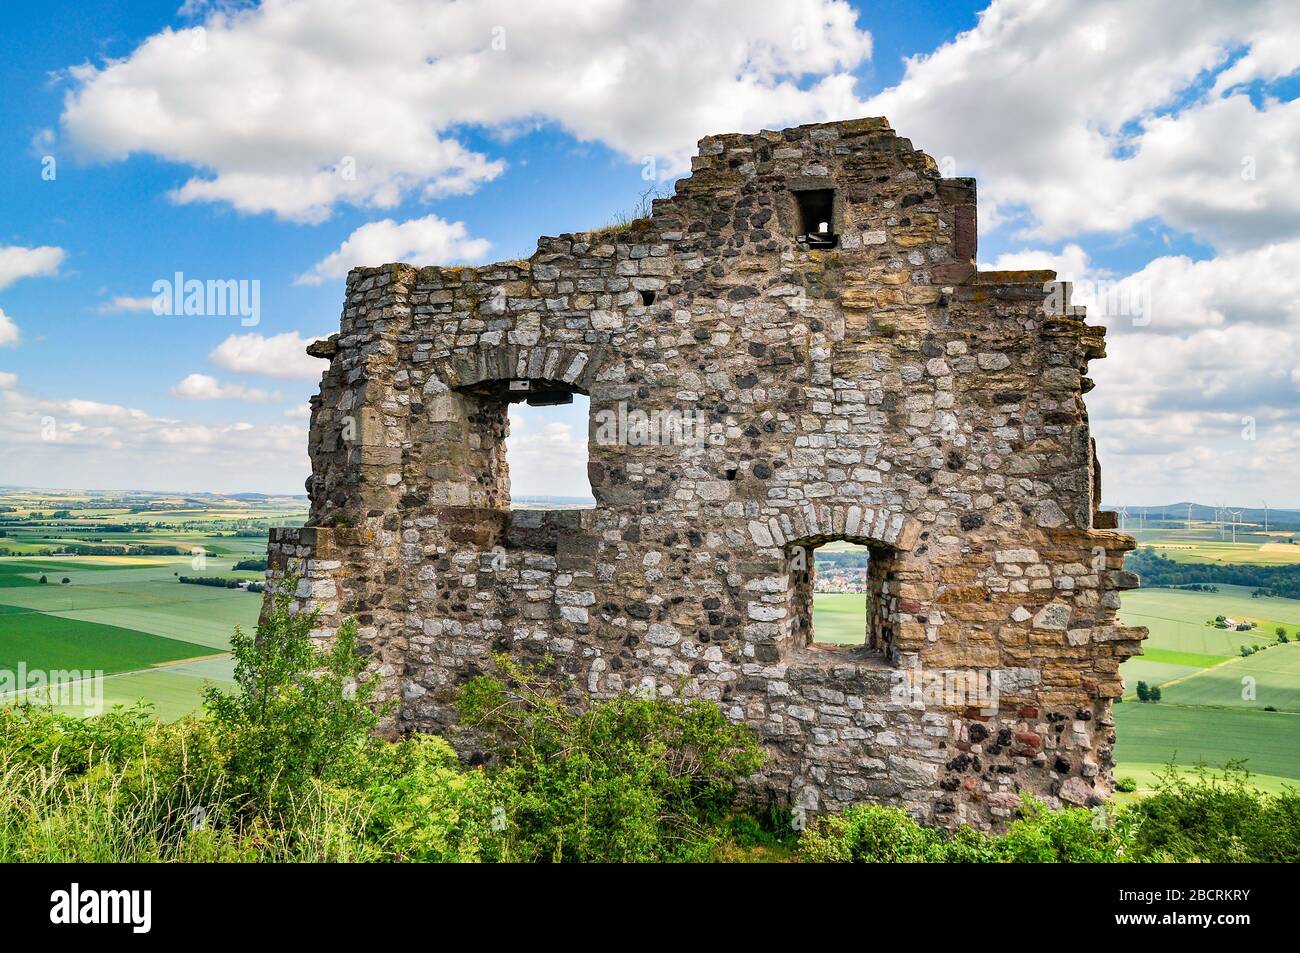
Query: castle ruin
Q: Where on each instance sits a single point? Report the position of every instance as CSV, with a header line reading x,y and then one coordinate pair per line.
x,y
808,299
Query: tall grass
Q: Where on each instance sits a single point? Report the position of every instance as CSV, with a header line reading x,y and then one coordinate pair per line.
x,y
48,815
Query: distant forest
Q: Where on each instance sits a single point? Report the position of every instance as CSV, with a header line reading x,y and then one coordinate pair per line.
x,y
1157,570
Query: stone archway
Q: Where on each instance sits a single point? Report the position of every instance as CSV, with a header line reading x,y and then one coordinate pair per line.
x,y
575,367
813,524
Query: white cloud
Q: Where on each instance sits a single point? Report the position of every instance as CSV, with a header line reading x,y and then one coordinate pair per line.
x,y
301,412
93,443
19,262
204,387
8,380
546,450
1199,395
1070,263
123,303
282,356
419,241
1087,115
281,103
1206,397
9,333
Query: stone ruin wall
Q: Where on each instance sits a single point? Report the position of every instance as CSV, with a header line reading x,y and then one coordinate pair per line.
x,y
883,392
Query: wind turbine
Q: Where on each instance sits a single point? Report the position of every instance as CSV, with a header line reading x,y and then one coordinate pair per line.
x,y
1189,515
1236,516
1123,516
1266,517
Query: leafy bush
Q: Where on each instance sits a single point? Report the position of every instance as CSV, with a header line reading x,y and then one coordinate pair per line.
x,y
301,713
1072,835
875,834
289,769
1202,817
1217,818
627,780
425,807
869,834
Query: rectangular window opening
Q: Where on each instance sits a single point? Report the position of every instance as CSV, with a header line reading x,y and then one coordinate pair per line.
x,y
841,595
546,451
817,217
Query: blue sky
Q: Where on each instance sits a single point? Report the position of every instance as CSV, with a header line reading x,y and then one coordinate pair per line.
x,y
1141,142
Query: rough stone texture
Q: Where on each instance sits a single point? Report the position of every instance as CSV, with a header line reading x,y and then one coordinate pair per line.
x,y
883,391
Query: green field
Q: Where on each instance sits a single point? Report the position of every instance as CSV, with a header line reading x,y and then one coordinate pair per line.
x,y
1150,736
162,606
174,690
50,643
840,618
1207,712
1202,543
1177,618
1269,678
128,615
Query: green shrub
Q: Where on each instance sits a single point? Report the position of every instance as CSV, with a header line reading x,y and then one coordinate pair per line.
x,y
627,780
425,807
300,714
290,770
1072,835
869,834
1216,818
1126,785
875,834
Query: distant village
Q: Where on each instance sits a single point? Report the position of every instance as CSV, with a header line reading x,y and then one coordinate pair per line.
x,y
837,579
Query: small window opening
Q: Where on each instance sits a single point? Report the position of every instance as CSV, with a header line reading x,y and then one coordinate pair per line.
x,y
817,217
546,449
841,594
731,473
647,298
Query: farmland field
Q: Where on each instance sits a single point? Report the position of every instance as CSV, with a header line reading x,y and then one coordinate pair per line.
x,y
122,608
48,642
1202,543
1269,678
840,618
1177,618
1150,736
1213,699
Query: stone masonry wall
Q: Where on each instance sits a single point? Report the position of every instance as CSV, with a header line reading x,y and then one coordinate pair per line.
x,y
882,391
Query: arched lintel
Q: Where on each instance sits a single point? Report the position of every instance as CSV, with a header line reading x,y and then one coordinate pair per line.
x,y
555,365
812,525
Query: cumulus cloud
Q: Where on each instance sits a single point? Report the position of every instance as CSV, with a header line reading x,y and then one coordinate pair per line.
x,y
204,387
9,333
95,443
301,412
547,450
8,380
1092,115
420,241
1200,391
281,355
123,303
1070,263
19,262
293,106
